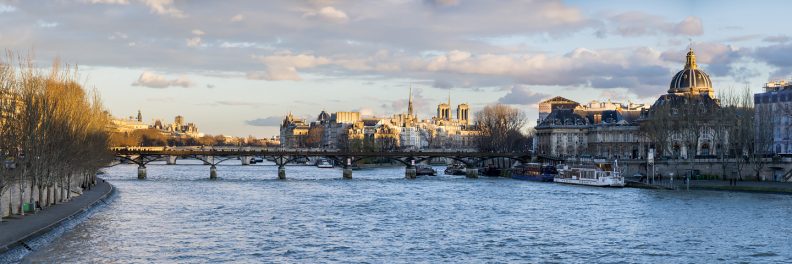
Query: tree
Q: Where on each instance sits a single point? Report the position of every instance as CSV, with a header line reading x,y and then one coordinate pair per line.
x,y
314,137
500,128
56,136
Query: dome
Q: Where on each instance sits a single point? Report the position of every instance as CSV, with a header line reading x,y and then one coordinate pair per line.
x,y
691,80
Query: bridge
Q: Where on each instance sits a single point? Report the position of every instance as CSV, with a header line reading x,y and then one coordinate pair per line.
x,y
282,157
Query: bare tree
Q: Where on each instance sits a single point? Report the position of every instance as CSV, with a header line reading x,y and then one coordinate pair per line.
x,y
57,134
500,128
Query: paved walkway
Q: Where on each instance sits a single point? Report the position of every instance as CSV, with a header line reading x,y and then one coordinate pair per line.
x,y
19,228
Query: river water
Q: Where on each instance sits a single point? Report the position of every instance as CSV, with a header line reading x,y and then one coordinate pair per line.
x,y
247,215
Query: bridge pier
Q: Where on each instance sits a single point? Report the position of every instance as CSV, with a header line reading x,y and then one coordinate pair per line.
x,y
171,160
410,172
471,172
245,160
281,172
347,174
213,172
141,172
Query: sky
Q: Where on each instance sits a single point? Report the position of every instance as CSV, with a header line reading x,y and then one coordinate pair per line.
x,y
237,67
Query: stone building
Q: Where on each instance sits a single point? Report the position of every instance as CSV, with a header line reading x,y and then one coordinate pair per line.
x,y
776,101
612,130
400,131
293,132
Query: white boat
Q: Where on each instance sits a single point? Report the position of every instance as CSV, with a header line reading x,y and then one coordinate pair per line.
x,y
600,174
323,163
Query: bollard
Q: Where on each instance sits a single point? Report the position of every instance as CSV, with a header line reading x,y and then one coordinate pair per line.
x,y
347,174
281,173
410,172
213,172
141,172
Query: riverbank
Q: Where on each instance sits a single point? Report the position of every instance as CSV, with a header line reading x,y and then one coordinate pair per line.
x,y
742,186
717,185
16,231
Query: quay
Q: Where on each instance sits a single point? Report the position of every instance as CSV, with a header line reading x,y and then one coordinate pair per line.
x,y
18,230
717,185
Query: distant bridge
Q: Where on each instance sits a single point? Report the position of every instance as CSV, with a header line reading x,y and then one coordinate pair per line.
x,y
281,156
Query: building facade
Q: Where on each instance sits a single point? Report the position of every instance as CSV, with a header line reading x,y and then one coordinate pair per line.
x,y
612,130
775,103
400,131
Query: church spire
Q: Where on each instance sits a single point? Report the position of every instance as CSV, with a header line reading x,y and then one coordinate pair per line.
x,y
410,104
449,97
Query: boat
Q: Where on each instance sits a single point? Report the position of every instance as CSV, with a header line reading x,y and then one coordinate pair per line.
x,y
601,174
534,172
324,163
490,170
421,169
455,169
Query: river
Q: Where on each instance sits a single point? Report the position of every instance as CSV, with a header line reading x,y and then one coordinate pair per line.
x,y
247,215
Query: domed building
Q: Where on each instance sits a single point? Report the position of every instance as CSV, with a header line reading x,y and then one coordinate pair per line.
x,y
690,102
616,131
691,84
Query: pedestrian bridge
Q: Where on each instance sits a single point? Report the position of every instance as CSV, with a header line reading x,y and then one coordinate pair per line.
x,y
283,156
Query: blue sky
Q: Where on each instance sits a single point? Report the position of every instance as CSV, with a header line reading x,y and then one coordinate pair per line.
x,y
236,67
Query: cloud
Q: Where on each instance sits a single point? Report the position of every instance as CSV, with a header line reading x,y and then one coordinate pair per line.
x,y
284,66
777,39
640,69
690,26
111,2
635,24
7,8
521,95
329,13
164,7
117,35
267,121
237,18
442,2
238,103
194,42
442,84
778,56
46,24
420,102
152,80
719,57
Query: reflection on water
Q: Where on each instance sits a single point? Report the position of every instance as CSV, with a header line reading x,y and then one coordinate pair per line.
x,y
178,215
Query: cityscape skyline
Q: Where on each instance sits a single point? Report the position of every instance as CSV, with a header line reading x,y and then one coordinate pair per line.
x,y
239,69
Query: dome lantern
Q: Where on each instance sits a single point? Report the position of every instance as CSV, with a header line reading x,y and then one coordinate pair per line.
x,y
691,80
691,60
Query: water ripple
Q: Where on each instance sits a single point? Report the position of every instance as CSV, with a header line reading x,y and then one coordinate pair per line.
x,y
248,216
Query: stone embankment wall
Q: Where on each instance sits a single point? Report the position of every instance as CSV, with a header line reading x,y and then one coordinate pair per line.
x,y
772,171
